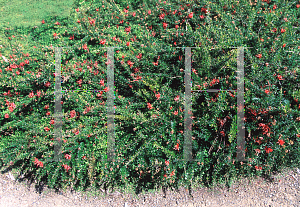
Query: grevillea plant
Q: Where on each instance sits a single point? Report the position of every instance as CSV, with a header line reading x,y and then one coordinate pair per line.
x,y
149,94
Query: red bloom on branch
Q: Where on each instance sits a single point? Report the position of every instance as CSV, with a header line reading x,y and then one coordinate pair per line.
x,y
157,95
38,163
258,56
279,77
6,116
31,95
48,84
258,168
161,16
102,42
282,30
204,10
72,113
149,106
127,29
165,25
67,156
177,147
191,15
66,167
280,142
46,129
167,162
268,150
43,21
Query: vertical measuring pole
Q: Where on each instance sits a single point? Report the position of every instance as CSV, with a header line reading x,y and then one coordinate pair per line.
x,y
57,110
187,107
110,106
240,106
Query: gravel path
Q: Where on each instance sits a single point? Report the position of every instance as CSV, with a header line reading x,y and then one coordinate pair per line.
x,y
283,190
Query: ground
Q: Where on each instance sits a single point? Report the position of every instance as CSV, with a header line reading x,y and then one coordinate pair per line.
x,y
282,190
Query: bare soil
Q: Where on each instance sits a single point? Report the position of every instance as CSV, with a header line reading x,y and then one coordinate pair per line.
x,y
282,189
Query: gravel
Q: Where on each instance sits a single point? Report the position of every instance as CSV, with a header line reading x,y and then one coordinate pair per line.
x,y
284,190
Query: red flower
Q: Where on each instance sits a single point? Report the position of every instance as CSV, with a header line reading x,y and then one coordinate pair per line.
x,y
6,116
102,82
258,167
127,44
176,26
57,23
177,147
38,163
66,167
282,30
155,63
85,47
77,9
283,45
274,30
162,16
165,175
175,112
48,84
298,5
43,21
31,95
79,81
48,113
268,150
176,98
102,42
165,25
267,91
55,35
52,122
191,15
149,12
71,38
279,77
149,106
127,29
46,107
280,142
258,56
67,156
167,162
139,56
204,10
97,9
72,113
172,173
46,129
157,95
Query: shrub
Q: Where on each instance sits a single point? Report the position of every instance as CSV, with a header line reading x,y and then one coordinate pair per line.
x,y
149,138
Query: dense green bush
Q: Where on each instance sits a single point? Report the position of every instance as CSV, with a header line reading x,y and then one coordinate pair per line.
x,y
149,112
